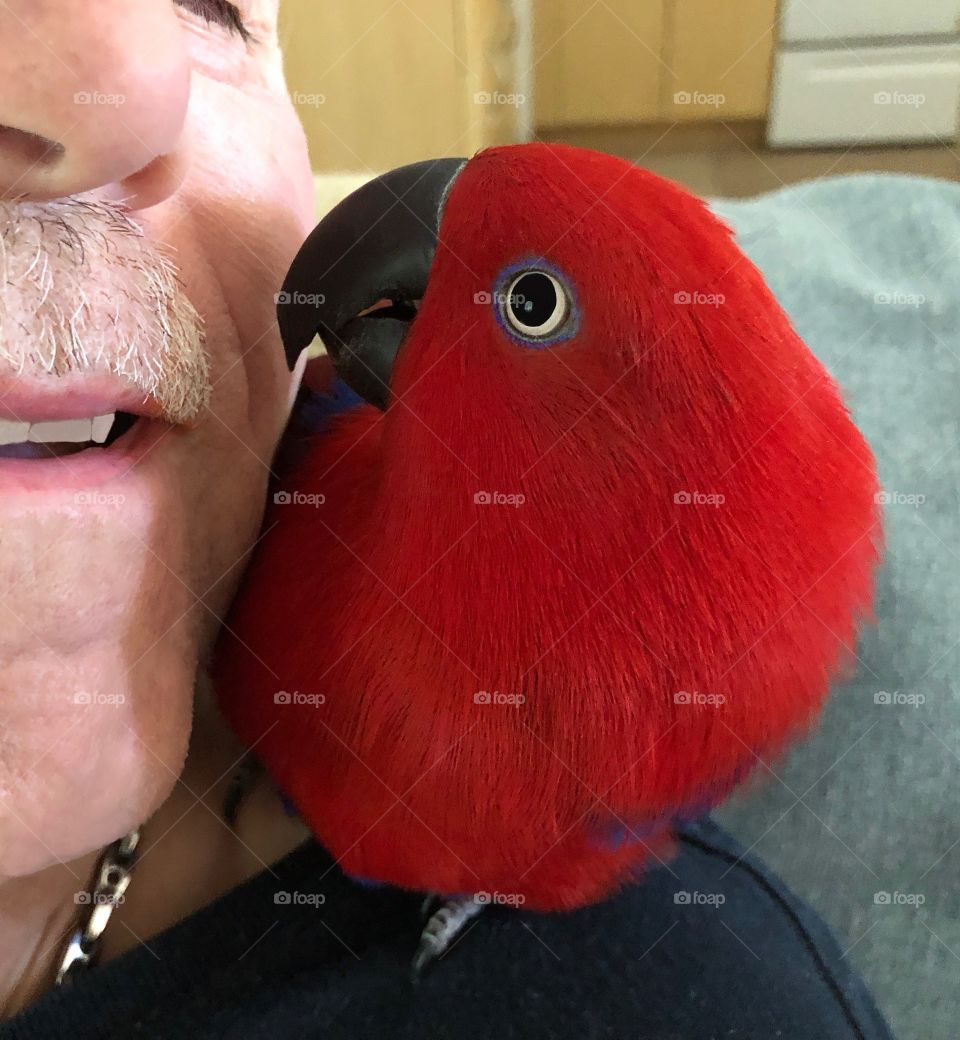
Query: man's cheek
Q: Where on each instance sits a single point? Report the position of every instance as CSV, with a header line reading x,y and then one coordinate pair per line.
x,y
249,152
251,380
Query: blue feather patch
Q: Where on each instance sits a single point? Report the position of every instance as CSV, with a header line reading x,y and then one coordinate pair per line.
x,y
317,409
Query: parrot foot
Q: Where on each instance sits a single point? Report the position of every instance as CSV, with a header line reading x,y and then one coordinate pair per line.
x,y
431,902
444,927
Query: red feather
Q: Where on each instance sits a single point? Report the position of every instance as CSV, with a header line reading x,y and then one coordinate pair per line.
x,y
660,647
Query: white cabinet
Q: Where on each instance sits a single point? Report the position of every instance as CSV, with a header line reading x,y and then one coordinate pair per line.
x,y
865,72
865,95
829,21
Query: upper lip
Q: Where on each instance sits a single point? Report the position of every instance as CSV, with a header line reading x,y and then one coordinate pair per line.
x,y
26,398
379,243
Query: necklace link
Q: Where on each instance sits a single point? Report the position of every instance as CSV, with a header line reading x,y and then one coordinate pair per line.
x,y
112,877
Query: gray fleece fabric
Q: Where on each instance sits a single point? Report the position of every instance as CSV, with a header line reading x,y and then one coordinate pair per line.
x,y
862,819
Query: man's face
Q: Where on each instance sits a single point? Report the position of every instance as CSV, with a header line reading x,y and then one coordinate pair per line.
x,y
115,560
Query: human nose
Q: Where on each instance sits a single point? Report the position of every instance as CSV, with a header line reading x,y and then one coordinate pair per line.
x,y
94,96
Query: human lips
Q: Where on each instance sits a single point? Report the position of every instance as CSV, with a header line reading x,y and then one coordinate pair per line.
x,y
74,433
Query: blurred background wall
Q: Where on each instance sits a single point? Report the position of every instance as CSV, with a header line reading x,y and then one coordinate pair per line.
x,y
380,83
731,97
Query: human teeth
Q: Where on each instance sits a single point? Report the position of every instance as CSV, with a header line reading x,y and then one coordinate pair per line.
x,y
71,431
101,427
13,432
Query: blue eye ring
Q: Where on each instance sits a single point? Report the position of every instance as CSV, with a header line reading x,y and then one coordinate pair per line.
x,y
560,325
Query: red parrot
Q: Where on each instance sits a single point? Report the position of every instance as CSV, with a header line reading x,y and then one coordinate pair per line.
x,y
594,549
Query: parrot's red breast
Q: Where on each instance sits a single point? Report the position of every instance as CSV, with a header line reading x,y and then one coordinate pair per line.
x,y
566,588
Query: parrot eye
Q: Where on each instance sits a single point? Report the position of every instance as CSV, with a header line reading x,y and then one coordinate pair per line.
x,y
536,307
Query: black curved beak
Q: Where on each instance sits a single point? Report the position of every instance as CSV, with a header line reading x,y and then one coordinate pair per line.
x,y
378,244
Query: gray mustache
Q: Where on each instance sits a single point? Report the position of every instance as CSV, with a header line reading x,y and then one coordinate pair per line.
x,y
82,289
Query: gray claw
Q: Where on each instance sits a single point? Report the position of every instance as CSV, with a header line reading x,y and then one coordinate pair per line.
x,y
431,902
442,930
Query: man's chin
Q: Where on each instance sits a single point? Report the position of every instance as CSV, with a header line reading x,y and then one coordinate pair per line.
x,y
100,633
101,775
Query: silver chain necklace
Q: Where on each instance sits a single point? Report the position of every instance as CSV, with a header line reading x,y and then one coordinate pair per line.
x,y
113,874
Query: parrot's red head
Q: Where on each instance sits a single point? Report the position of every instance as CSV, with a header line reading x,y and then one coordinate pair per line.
x,y
600,554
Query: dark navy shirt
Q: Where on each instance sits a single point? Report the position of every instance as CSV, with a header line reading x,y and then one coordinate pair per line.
x,y
711,946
